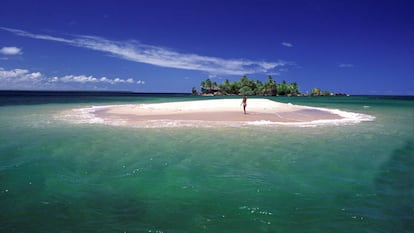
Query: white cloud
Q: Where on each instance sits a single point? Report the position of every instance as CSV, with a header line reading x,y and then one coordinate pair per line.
x,y
35,75
78,79
91,79
18,74
23,78
163,57
345,65
287,44
35,36
159,56
19,79
10,51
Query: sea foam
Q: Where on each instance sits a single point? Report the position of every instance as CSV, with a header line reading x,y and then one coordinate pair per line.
x,y
347,118
82,115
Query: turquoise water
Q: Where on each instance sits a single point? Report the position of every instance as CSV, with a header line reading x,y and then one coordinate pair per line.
x,y
56,176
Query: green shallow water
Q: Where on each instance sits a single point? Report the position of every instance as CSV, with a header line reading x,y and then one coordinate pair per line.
x,y
60,177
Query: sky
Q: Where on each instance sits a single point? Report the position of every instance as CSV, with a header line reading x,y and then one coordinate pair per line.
x,y
344,46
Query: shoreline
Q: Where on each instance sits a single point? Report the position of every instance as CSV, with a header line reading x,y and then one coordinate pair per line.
x,y
220,112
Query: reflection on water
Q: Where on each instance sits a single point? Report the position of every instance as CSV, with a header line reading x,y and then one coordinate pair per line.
x,y
395,189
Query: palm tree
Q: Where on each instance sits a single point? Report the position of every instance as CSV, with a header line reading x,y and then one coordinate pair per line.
x,y
234,88
270,86
260,88
244,80
282,88
316,91
203,87
208,84
206,88
294,88
225,87
226,82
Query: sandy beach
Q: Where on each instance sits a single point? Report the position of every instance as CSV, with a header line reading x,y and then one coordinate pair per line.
x,y
213,112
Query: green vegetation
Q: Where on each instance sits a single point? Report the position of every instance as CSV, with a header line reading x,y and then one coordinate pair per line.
x,y
246,86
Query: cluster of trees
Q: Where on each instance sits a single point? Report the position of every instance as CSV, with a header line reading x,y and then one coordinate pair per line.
x,y
246,86
318,92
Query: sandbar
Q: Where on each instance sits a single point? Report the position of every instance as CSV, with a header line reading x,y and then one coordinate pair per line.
x,y
217,112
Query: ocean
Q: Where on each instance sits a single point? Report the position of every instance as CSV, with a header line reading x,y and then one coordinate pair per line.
x,y
61,176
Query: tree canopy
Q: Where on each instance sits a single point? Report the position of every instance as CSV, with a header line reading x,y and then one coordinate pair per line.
x,y
246,86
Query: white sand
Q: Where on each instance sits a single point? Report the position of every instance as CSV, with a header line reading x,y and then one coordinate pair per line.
x,y
224,112
204,106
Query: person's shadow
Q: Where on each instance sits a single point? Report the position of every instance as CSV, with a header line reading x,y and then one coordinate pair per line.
x,y
395,190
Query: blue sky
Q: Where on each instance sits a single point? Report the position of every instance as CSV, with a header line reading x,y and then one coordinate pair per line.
x,y
356,47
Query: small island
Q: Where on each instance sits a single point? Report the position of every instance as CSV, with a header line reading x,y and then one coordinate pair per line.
x,y
247,86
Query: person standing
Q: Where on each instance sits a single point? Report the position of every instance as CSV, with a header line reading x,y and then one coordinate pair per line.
x,y
244,102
